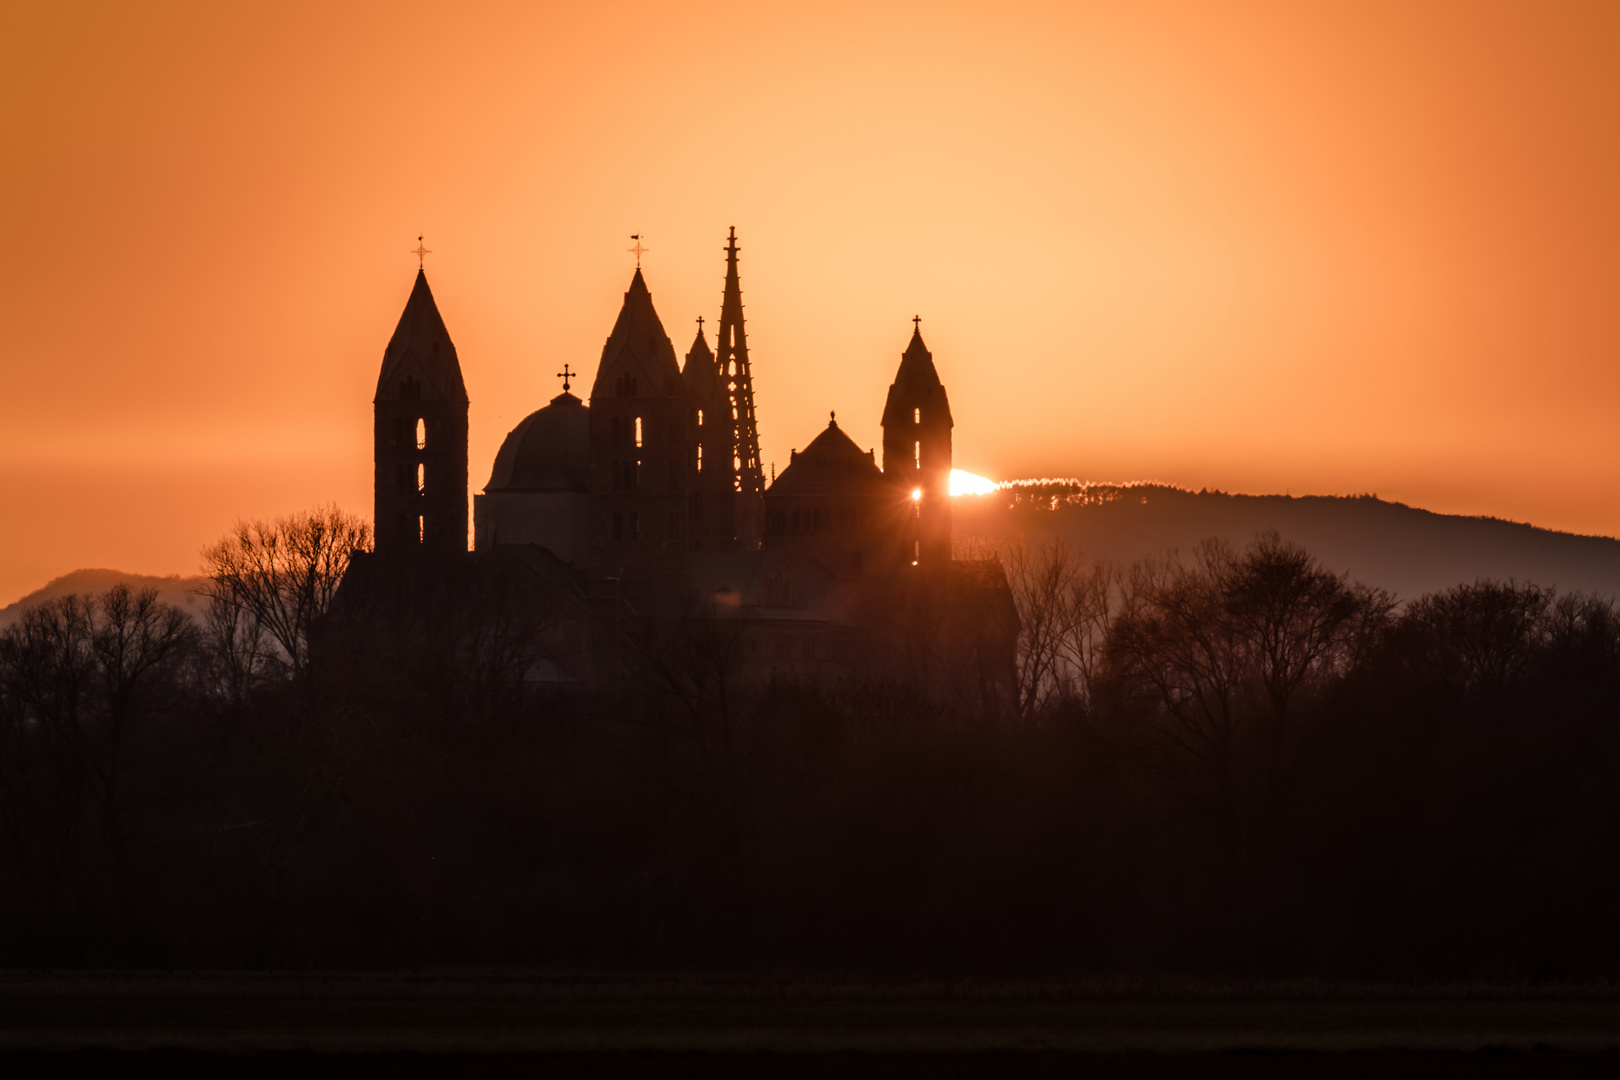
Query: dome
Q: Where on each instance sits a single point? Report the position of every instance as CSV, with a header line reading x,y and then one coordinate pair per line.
x,y
548,451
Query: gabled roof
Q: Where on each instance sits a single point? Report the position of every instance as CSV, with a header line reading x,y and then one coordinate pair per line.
x,y
831,464
638,346
421,348
916,385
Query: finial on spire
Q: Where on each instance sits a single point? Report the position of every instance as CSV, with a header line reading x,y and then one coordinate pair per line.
x,y
638,251
422,252
700,324
565,375
916,324
832,418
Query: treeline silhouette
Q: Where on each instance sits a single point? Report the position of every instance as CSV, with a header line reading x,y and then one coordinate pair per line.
x,y
1235,763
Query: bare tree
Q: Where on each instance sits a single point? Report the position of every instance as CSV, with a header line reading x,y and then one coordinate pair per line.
x,y
1220,655
281,576
1064,610
78,674
691,666
1479,638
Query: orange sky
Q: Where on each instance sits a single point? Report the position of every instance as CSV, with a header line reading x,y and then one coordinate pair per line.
x,y
1262,247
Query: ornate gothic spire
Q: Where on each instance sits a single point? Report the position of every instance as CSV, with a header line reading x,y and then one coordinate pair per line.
x,y
732,363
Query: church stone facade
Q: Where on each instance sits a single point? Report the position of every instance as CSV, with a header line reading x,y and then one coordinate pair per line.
x,y
647,504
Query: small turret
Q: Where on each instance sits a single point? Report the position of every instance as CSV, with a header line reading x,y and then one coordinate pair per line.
x,y
709,503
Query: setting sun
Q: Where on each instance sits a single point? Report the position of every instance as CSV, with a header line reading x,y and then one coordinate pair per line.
x,y
965,483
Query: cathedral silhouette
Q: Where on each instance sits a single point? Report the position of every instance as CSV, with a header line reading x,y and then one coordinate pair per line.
x,y
647,506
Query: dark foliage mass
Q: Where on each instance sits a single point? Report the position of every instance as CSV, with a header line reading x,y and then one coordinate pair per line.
x,y
1240,763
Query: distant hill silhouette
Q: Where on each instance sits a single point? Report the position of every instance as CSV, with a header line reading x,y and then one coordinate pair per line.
x,y
173,589
1387,544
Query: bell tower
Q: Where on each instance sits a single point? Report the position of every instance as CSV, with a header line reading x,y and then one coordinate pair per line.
x,y
420,436
917,451
640,449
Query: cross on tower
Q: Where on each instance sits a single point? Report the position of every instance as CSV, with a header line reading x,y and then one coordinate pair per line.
x,y
638,250
565,375
421,252
916,323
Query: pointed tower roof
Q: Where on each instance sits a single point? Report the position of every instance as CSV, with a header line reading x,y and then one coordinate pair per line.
x,y
699,357
639,343
701,375
421,348
915,384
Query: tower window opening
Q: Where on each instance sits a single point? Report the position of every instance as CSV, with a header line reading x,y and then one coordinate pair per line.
x,y
916,449
916,551
421,529
421,478
421,434
638,431
916,416
700,455
635,477
700,418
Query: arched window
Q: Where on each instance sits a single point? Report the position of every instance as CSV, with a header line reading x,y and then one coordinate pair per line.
x,y
421,434
916,449
916,416
421,529
700,458
638,431
421,478
700,418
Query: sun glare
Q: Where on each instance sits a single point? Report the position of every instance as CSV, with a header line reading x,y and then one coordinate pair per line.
x,y
965,483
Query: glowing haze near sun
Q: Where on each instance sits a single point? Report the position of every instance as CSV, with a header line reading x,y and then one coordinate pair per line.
x,y
965,483
1258,246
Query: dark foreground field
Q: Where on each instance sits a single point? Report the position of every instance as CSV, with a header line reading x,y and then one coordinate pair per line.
x,y
482,1024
